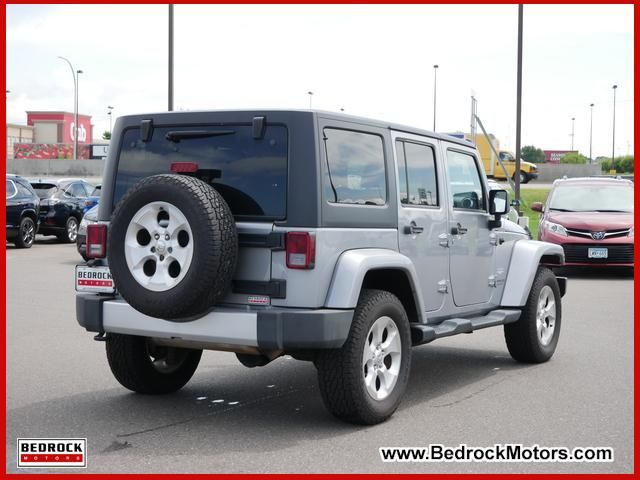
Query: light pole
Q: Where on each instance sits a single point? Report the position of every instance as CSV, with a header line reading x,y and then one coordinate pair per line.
x,y
78,72
75,105
170,107
613,146
109,113
573,124
310,98
591,134
435,78
519,107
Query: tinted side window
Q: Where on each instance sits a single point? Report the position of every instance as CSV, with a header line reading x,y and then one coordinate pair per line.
x,y
77,190
356,167
10,189
464,181
422,186
88,188
24,184
23,190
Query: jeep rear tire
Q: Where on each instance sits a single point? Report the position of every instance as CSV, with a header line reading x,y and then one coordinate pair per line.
x,y
364,381
172,247
534,336
144,367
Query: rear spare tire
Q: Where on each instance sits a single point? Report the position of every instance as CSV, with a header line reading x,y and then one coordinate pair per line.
x,y
172,246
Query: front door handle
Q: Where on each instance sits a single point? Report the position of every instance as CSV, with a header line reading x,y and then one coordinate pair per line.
x,y
458,230
413,229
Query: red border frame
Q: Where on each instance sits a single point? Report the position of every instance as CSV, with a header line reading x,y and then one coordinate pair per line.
x,y
3,365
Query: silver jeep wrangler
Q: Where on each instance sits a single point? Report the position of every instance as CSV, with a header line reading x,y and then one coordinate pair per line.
x,y
333,239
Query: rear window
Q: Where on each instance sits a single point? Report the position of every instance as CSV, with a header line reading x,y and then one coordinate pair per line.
x,y
250,174
10,189
43,190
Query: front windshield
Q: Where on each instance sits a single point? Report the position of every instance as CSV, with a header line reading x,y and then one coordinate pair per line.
x,y
592,198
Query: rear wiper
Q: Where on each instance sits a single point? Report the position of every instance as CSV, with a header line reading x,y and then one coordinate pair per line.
x,y
191,134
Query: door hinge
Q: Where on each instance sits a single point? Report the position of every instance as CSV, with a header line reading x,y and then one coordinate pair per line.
x,y
443,240
493,282
443,286
493,239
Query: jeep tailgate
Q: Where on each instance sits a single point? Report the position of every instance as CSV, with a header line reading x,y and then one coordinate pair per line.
x,y
252,283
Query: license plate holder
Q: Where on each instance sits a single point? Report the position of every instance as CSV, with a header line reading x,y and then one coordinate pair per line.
x,y
94,279
598,253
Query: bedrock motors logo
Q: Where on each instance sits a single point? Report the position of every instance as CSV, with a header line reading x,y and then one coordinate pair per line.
x,y
52,452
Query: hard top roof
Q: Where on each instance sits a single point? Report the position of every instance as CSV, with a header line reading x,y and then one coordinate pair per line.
x,y
174,116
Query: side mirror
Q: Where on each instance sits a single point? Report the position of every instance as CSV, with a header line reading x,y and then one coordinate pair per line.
x,y
498,202
536,206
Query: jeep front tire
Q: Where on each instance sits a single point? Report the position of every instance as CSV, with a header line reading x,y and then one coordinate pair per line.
x,y
534,336
364,381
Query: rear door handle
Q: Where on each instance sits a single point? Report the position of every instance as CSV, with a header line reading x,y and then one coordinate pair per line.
x,y
458,230
413,229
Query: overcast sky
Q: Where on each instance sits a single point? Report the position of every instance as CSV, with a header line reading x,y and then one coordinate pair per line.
x,y
374,61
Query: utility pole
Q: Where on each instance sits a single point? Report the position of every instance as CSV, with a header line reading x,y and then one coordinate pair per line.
x,y
110,122
573,129
170,57
310,93
75,136
591,135
518,108
75,107
435,78
613,146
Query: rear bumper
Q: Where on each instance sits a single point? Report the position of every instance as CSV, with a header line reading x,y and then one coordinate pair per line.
x,y
81,243
223,328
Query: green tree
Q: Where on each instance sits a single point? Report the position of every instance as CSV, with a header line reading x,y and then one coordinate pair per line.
x,y
532,154
620,165
106,135
574,157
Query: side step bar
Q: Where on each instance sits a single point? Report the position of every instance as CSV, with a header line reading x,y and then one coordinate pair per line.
x,y
427,333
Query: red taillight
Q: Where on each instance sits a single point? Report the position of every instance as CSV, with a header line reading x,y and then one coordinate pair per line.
x,y
96,240
184,167
301,250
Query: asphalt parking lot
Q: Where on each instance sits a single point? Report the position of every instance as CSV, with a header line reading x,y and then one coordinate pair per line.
x,y
464,389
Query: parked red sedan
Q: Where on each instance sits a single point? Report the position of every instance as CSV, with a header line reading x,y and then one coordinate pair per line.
x,y
592,218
